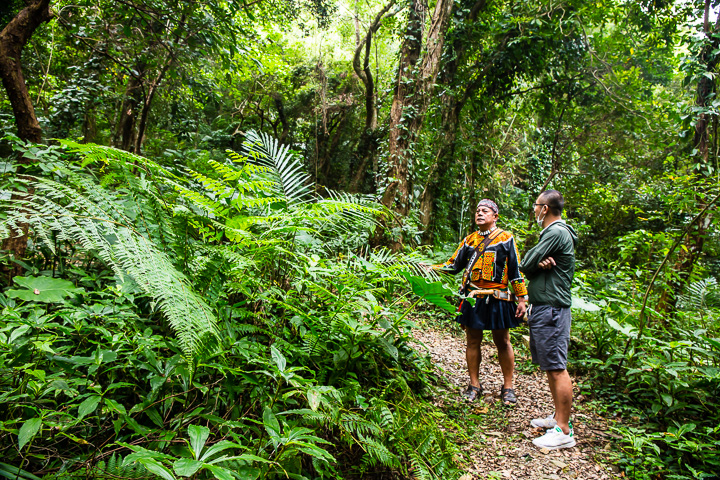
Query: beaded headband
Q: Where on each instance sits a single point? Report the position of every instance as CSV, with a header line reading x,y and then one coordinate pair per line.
x,y
489,204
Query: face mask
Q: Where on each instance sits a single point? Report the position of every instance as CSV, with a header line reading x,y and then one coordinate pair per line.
x,y
540,220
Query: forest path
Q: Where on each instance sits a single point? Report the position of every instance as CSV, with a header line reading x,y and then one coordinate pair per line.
x,y
500,445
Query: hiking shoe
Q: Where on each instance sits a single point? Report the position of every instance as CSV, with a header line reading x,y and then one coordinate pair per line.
x,y
548,422
555,438
471,393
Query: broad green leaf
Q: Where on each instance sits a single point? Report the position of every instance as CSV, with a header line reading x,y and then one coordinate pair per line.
x,y
13,472
140,453
115,406
249,457
434,292
315,451
271,423
220,446
627,330
157,468
278,358
389,348
186,467
221,473
712,341
28,431
667,398
155,416
43,289
88,406
134,424
583,304
686,427
17,333
248,473
198,436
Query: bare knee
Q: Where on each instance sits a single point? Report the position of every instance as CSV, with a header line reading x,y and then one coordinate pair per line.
x,y
474,337
501,338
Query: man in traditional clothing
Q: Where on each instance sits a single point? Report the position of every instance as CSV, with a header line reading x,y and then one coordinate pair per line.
x,y
549,267
490,260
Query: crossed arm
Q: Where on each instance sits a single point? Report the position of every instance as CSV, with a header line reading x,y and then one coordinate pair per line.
x,y
547,263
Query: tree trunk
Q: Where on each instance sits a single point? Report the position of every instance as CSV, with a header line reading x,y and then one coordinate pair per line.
x,y
145,113
414,86
695,240
452,108
282,117
367,145
13,38
365,151
125,130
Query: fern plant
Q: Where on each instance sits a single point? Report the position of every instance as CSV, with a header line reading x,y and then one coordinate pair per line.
x,y
107,224
275,258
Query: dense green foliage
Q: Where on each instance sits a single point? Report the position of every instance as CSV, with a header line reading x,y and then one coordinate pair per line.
x,y
205,293
259,344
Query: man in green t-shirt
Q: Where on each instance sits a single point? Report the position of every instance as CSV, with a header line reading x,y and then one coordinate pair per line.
x,y
549,268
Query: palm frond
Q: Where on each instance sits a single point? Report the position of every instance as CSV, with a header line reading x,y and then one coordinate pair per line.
x,y
701,295
290,174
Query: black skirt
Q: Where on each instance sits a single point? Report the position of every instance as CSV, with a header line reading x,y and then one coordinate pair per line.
x,y
489,314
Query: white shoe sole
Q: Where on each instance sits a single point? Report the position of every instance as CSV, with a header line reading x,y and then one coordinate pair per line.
x,y
569,444
542,424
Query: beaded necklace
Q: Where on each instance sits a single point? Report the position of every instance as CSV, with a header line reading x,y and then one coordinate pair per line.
x,y
487,232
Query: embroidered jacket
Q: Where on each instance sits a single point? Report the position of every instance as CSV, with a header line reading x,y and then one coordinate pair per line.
x,y
496,268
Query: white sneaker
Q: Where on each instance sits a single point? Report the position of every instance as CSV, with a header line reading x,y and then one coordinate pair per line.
x,y
555,438
548,422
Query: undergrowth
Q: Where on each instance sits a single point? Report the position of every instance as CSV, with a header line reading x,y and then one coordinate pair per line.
x,y
660,381
176,324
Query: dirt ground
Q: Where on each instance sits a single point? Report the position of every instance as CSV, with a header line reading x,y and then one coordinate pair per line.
x,y
501,445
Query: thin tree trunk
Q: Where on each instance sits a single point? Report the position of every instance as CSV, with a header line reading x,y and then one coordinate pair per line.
x,y
142,125
125,129
366,149
363,72
367,144
278,100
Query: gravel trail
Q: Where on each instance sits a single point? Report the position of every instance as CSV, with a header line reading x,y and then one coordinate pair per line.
x,y
501,445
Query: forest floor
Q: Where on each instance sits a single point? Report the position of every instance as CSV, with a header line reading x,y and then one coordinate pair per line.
x,y
497,440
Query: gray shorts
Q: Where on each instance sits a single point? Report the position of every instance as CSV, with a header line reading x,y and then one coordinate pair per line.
x,y
549,336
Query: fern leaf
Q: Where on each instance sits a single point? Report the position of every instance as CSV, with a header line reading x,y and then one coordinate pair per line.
x,y
91,217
